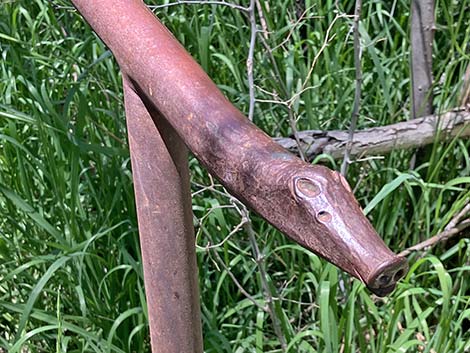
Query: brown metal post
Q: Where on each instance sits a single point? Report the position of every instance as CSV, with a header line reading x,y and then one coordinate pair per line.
x,y
163,199
312,205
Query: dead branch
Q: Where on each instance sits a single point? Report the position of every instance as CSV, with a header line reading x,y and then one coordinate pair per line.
x,y
262,20
268,295
238,284
249,60
199,2
464,99
456,219
422,34
438,238
454,227
295,133
357,93
380,140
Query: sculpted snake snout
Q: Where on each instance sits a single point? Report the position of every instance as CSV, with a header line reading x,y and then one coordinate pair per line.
x,y
342,232
384,280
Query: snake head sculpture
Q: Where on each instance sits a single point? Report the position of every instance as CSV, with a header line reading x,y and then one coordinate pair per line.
x,y
312,205
335,227
315,207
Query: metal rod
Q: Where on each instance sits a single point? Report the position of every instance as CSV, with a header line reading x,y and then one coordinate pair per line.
x,y
161,183
312,205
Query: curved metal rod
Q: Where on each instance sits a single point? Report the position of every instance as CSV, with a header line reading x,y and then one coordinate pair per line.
x,y
312,205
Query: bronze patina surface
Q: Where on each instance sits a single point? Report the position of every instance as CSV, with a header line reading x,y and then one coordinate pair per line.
x,y
312,205
163,200
262,174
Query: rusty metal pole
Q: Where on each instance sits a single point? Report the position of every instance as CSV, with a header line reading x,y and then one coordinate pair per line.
x,y
312,205
162,192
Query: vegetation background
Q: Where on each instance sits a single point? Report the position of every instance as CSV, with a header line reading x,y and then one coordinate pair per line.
x,y
70,273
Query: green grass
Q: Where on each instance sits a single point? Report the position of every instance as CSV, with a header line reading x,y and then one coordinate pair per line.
x,y
70,267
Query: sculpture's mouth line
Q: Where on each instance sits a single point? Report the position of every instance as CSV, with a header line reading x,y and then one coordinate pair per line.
x,y
385,278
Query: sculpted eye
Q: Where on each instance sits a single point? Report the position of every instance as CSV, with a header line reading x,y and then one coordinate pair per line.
x,y
306,188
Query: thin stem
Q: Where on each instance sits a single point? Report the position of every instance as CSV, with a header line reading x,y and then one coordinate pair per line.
x,y
429,243
262,19
200,2
249,61
454,227
357,94
240,287
295,132
264,282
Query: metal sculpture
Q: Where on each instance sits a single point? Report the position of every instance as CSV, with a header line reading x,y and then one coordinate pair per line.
x,y
170,101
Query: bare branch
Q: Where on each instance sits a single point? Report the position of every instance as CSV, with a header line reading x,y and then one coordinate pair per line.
x,y
326,41
229,235
264,282
200,2
380,140
464,99
262,20
456,219
239,286
429,243
249,61
302,17
422,34
295,133
357,94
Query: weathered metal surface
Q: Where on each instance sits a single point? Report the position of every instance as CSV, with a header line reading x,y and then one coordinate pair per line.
x,y
311,204
163,199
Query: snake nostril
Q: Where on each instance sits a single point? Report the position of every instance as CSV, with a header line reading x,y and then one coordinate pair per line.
x,y
399,274
384,280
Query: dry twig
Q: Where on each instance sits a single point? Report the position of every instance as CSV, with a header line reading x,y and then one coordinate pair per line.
x,y
454,227
295,133
357,94
326,41
429,243
247,226
300,19
200,2
268,296
239,286
249,61
262,20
